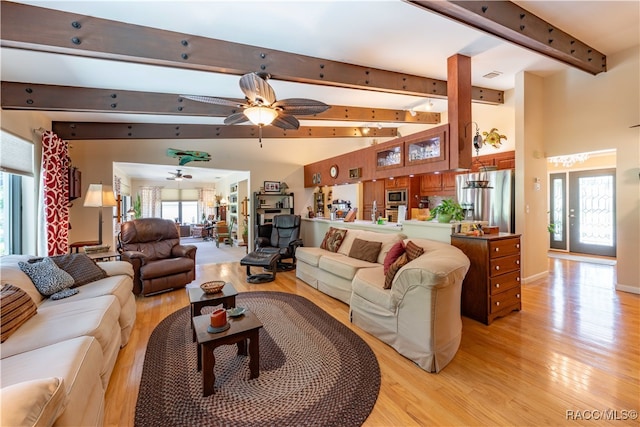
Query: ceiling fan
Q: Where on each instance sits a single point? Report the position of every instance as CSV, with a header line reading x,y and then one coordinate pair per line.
x,y
261,107
178,176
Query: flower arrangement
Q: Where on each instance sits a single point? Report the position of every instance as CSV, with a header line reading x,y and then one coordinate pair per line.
x,y
493,138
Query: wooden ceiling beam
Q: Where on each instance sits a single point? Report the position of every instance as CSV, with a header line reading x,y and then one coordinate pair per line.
x,y
512,23
95,130
47,30
27,96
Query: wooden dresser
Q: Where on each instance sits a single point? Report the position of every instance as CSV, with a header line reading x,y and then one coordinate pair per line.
x,y
491,288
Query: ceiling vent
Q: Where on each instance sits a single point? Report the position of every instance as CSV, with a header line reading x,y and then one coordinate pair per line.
x,y
492,75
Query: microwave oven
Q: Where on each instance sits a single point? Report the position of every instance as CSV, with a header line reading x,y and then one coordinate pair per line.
x,y
396,197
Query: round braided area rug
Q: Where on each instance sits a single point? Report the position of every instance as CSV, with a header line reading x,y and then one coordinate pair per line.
x,y
314,371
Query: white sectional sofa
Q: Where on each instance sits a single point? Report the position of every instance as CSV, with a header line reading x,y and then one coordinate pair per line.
x,y
419,316
61,359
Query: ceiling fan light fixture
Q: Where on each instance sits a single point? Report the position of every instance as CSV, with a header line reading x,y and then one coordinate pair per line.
x,y
261,116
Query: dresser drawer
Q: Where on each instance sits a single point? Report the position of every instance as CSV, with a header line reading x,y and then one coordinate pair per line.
x,y
505,299
504,265
504,282
500,248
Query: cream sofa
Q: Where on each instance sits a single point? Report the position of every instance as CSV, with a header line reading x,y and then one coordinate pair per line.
x,y
61,359
419,316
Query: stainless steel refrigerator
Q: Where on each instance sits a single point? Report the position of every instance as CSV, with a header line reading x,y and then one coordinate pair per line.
x,y
495,204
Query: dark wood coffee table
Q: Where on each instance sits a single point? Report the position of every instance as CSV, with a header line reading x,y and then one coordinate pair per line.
x,y
242,329
198,299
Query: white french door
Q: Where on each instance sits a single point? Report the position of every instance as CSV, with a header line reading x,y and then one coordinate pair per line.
x,y
582,209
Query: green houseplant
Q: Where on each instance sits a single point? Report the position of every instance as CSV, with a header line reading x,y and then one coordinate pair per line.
x,y
447,210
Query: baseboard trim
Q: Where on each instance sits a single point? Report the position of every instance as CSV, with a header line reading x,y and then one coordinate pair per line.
x,y
627,288
535,277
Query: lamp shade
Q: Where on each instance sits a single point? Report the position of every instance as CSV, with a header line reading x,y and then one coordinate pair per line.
x,y
261,116
99,195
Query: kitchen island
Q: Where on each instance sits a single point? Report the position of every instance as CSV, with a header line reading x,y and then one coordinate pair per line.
x,y
312,230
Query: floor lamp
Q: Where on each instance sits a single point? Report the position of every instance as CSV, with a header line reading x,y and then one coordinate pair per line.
x,y
99,196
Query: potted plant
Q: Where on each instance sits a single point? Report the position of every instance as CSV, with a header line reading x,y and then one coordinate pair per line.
x,y
447,210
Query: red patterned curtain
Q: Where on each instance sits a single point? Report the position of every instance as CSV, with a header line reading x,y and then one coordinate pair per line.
x,y
55,186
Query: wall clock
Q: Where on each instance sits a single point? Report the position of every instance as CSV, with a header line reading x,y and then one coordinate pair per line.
x,y
333,171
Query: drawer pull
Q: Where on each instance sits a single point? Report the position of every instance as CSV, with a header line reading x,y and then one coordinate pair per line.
x,y
517,279
518,245
497,303
517,295
497,249
518,262
497,267
497,285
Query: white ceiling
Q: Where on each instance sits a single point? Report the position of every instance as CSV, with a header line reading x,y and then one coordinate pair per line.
x,y
388,34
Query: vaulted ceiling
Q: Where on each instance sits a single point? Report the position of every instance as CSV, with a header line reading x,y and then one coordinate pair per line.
x,y
104,70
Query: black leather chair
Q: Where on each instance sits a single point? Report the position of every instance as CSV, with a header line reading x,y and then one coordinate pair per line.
x,y
274,242
284,239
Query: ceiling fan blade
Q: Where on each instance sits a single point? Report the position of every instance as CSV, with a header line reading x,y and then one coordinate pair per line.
x,y
187,176
171,179
285,121
301,106
257,90
214,100
235,119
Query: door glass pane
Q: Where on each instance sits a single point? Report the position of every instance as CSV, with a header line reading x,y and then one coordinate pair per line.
x,y
596,210
557,216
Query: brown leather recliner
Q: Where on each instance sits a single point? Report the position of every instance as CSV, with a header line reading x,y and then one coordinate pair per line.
x,y
160,262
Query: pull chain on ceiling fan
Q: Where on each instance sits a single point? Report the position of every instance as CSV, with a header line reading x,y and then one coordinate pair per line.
x,y
262,108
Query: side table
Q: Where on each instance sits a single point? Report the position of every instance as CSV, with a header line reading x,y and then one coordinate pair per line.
x,y
242,329
198,299
104,256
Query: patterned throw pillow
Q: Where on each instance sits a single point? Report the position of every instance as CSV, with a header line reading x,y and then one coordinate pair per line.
x,y
393,269
393,254
365,250
413,250
82,268
47,277
333,239
16,307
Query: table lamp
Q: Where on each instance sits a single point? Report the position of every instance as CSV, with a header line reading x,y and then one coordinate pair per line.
x,y
99,196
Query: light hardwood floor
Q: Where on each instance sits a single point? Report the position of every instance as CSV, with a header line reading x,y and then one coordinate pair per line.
x,y
572,350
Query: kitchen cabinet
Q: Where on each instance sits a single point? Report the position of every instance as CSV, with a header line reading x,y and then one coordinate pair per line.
x,y
491,288
389,157
430,184
442,184
426,150
397,182
372,190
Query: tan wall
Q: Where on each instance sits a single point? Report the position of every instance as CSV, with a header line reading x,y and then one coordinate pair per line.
x,y
531,203
590,113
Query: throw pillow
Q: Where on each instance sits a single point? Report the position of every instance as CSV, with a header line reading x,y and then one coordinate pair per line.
x,y
413,250
16,307
365,250
393,254
393,269
65,293
82,268
47,277
333,239
36,403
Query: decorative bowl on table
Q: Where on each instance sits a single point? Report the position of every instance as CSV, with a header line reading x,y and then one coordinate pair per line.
x,y
212,287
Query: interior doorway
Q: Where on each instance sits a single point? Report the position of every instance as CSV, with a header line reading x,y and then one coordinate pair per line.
x,y
582,211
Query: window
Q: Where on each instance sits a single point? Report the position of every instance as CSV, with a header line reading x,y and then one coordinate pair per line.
x,y
182,212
